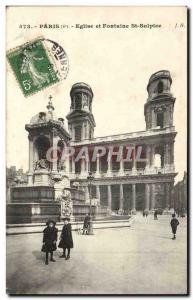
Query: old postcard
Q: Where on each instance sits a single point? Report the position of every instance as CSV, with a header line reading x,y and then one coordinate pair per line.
x,y
96,150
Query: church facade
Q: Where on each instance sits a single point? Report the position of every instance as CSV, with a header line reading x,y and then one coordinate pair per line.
x,y
125,185
130,172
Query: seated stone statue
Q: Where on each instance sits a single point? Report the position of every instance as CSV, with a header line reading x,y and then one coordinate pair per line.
x,y
41,164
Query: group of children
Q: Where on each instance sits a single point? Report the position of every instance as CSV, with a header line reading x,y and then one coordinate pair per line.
x,y
50,236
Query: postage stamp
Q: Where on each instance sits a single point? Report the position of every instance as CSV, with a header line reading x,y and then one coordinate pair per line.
x,y
38,64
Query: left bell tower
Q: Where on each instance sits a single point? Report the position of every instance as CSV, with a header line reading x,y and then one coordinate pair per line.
x,y
81,121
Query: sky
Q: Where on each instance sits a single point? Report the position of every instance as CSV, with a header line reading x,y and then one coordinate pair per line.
x,y
116,63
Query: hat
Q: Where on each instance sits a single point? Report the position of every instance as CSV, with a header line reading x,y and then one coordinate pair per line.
x,y
66,218
50,221
173,215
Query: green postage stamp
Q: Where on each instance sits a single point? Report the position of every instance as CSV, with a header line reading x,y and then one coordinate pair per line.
x,y
38,64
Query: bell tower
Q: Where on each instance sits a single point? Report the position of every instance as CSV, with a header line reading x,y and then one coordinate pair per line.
x,y
81,121
158,109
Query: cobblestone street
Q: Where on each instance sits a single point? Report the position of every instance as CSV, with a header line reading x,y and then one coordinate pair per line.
x,y
139,259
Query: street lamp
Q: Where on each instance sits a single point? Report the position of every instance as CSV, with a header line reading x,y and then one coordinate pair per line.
x,y
173,200
90,179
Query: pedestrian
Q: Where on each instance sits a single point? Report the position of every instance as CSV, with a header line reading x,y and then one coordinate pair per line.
x,y
50,235
174,224
183,213
178,212
155,215
66,241
86,224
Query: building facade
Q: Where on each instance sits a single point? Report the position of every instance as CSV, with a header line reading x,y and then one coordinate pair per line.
x,y
130,172
134,184
180,194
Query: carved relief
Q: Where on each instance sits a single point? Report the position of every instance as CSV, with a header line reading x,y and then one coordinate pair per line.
x,y
42,117
54,132
41,164
66,203
160,108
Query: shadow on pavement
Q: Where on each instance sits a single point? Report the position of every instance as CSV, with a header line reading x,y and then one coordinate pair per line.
x,y
39,255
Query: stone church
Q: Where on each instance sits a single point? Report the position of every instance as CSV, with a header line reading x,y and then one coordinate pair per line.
x,y
133,185
118,186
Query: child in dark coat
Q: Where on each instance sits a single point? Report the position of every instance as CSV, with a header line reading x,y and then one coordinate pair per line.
x,y
66,241
174,224
86,224
50,235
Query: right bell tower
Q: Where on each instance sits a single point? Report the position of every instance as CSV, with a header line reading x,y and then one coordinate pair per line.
x,y
158,109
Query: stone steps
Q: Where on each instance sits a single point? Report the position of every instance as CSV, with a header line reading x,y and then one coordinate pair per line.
x,y
14,229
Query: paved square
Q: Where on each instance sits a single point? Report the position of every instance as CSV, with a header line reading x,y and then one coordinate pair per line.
x,y
139,259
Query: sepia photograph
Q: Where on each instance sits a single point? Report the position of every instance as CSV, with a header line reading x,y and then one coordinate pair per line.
x,y
96,150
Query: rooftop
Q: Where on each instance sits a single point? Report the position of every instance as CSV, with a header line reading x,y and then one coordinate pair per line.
x,y
128,136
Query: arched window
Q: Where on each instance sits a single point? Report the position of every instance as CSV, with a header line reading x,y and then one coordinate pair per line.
x,y
42,145
78,102
160,87
159,157
157,160
160,119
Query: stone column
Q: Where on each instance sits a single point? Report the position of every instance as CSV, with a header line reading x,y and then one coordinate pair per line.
x,y
167,186
66,165
134,169
72,165
121,199
35,156
73,134
121,169
109,170
83,166
152,196
152,155
166,155
109,196
153,118
82,132
169,153
172,153
31,155
31,161
148,155
85,132
133,197
98,196
54,156
97,166
147,196
86,165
